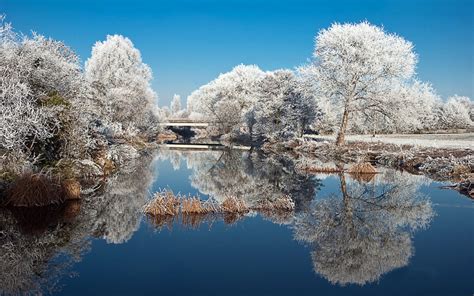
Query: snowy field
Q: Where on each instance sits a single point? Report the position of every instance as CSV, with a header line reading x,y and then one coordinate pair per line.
x,y
465,140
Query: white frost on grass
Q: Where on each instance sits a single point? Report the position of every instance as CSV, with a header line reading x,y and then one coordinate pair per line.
x,y
463,141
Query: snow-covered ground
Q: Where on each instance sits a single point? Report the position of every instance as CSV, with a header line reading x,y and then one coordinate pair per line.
x,y
465,140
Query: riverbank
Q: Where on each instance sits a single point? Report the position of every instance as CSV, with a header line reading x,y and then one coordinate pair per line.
x,y
441,164
439,140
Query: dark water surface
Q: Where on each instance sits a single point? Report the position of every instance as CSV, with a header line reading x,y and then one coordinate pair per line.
x,y
394,234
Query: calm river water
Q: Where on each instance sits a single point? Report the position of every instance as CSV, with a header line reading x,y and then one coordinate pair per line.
x,y
393,234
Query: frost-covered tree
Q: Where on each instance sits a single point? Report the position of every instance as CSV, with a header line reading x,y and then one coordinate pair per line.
x,y
410,107
42,97
225,100
175,104
281,111
122,82
456,113
357,65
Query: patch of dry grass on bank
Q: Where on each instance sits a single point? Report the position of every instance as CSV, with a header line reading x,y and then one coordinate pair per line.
x,y
442,164
40,189
362,168
234,205
164,203
323,170
165,208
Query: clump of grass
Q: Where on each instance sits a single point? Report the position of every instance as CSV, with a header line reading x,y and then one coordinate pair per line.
x,y
326,170
40,189
280,204
234,205
71,188
165,207
363,172
164,203
460,170
193,205
362,168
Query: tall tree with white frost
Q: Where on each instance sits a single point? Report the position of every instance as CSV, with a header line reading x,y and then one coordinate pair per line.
x,y
357,64
42,98
122,81
226,99
176,104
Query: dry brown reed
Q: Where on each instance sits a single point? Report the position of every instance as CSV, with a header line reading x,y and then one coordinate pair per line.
x,y
280,204
40,189
163,203
71,188
166,206
362,168
234,205
363,172
323,170
192,205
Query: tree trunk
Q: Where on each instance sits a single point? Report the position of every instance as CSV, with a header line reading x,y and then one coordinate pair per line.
x,y
342,129
348,210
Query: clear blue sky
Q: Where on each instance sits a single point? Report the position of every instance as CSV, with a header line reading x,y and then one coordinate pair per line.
x,y
189,42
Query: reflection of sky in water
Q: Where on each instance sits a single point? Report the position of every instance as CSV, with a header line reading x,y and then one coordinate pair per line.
x,y
257,257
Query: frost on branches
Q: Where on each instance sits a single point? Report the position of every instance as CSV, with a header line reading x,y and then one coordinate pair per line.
x,y
357,65
51,110
262,105
41,88
122,85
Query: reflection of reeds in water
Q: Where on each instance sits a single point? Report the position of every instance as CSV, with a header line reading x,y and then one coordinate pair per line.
x,y
36,220
363,172
163,210
194,221
161,221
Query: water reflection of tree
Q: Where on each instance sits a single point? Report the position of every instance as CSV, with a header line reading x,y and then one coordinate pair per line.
x,y
29,255
367,232
38,247
118,208
249,176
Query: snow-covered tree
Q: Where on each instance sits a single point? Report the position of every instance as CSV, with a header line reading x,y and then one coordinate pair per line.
x,y
175,104
231,93
122,82
42,95
456,113
281,111
357,65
